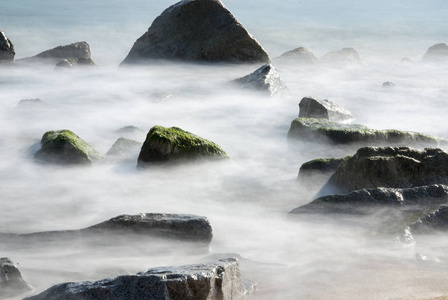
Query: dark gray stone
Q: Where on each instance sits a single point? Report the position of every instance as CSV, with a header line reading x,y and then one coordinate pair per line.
x,y
11,281
219,280
313,108
265,79
388,84
299,55
75,54
197,30
343,56
436,53
7,52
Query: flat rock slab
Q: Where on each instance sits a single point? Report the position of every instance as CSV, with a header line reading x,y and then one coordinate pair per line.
x,y
11,281
265,79
326,109
197,30
219,280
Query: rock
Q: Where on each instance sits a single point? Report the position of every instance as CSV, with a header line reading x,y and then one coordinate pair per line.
x,y
429,220
320,166
174,144
31,103
436,53
324,131
197,30
388,84
314,108
299,55
65,148
218,280
343,56
397,167
11,281
406,60
76,53
7,52
129,130
73,62
124,148
265,79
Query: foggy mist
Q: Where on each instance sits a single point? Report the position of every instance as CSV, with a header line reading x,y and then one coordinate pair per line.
x,y
247,198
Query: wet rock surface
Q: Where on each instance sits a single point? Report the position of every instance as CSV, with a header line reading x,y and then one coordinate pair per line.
x,y
315,108
65,148
11,281
174,144
7,52
218,280
197,30
265,79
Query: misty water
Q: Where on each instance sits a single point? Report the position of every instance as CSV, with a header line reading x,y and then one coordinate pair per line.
x,y
247,199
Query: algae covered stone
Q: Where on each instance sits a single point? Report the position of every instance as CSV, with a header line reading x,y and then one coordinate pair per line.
x,y
172,144
66,148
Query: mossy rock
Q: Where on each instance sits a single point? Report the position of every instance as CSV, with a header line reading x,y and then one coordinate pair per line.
x,y
321,130
320,166
66,148
173,144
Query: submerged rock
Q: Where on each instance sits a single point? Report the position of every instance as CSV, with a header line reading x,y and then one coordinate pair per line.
x,y
77,52
65,148
314,108
174,144
299,55
11,281
343,56
321,130
264,79
399,167
7,52
388,84
124,148
197,30
74,62
218,280
436,53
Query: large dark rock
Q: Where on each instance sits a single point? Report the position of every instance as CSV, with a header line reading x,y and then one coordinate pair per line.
x,y
219,280
301,56
7,52
342,57
77,52
11,281
65,148
197,30
265,79
399,167
436,53
174,144
313,108
324,131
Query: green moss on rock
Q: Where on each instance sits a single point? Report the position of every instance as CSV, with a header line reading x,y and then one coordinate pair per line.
x,y
65,147
166,144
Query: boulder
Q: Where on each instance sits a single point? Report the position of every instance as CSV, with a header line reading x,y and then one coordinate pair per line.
x,y
11,281
77,52
65,148
325,131
265,79
343,56
197,30
388,84
299,55
397,167
314,108
436,53
320,166
74,62
218,280
174,144
7,52
124,148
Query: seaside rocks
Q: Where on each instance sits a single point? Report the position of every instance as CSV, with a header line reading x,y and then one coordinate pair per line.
x,y
321,130
436,53
219,280
197,30
7,52
11,281
343,56
65,148
124,148
399,167
314,108
265,79
299,55
174,144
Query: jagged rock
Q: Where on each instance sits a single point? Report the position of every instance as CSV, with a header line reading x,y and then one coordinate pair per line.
x,y
11,281
265,79
399,167
343,56
219,280
321,130
174,144
124,148
197,30
76,53
7,52
314,108
388,84
436,53
299,55
65,148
